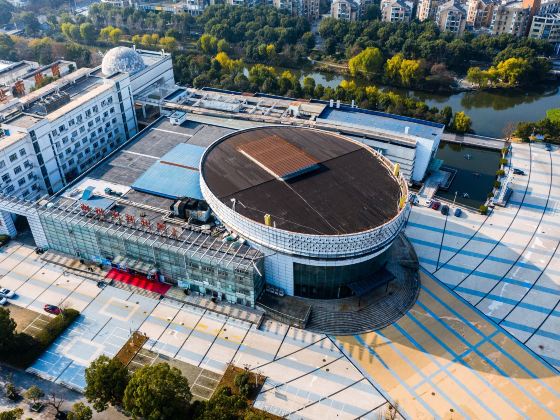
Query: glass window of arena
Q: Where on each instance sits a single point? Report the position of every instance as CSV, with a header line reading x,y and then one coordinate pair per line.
x,y
331,282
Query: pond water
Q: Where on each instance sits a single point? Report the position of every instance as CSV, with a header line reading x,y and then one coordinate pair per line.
x,y
491,111
476,170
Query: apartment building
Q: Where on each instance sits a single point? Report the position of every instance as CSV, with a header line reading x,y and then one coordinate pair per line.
x,y
511,17
480,12
426,9
451,17
396,11
344,10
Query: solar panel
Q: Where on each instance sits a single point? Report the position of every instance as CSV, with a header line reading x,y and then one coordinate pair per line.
x,y
278,157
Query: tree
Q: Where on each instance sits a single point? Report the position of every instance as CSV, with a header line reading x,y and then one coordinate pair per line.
x,y
8,331
393,67
461,122
168,43
410,72
208,43
158,392
6,10
115,35
80,411
513,71
7,51
368,63
105,33
34,394
88,32
106,380
31,25
14,414
56,403
241,381
224,405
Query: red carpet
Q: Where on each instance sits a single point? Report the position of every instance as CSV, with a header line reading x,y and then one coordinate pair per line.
x,y
138,281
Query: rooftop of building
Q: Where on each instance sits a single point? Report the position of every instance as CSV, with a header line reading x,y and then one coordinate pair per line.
x,y
272,109
121,170
308,181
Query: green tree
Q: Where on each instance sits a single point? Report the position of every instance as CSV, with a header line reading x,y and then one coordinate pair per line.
x,y
31,25
80,411
513,71
223,46
14,414
106,381
224,405
34,394
553,115
6,10
168,43
368,63
241,381
393,67
477,76
158,392
7,51
461,122
88,32
8,331
208,43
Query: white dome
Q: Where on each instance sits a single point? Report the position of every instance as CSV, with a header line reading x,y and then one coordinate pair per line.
x,y
122,59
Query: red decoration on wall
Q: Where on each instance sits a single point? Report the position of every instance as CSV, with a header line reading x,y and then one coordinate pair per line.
x,y
55,70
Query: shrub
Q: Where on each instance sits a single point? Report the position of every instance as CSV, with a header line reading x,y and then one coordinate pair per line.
x,y
242,382
503,161
490,194
483,209
497,184
500,172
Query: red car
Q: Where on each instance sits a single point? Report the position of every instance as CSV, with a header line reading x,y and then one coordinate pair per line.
x,y
51,309
436,205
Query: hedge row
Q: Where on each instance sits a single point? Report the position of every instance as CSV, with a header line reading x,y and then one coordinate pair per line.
x,y
27,349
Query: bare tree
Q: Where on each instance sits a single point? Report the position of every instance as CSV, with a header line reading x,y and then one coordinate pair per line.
x,y
55,403
391,412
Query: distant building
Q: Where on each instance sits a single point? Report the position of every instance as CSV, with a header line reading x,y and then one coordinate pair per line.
x,y
552,6
546,27
426,9
512,18
19,3
451,17
480,12
396,11
344,10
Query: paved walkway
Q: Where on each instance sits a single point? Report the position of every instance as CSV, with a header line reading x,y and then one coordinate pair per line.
x,y
443,359
308,376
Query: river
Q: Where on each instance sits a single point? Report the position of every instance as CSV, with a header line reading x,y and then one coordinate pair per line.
x,y
491,111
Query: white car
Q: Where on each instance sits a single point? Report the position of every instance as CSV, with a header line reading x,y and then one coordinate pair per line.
x,y
6,293
3,301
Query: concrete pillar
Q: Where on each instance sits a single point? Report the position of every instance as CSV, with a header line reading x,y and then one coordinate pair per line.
x,y
7,226
37,229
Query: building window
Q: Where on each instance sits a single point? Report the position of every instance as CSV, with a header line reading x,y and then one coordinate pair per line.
x,y
6,178
21,181
10,189
22,152
2,164
13,157
17,169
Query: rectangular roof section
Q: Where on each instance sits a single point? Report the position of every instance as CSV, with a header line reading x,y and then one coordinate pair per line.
x,y
278,157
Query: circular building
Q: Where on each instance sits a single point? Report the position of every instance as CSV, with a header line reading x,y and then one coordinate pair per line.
x,y
122,60
323,208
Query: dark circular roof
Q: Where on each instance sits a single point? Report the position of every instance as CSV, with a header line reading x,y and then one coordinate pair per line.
x,y
308,181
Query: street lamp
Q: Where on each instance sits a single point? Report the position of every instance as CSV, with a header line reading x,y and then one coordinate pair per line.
x,y
455,198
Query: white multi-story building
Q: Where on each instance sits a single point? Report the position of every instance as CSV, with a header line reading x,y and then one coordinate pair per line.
x,y
479,13
451,17
396,11
426,9
52,135
344,10
511,17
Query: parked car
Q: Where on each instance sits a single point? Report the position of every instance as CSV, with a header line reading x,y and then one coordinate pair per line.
x,y
7,293
518,171
548,147
3,301
52,309
436,205
445,210
458,212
